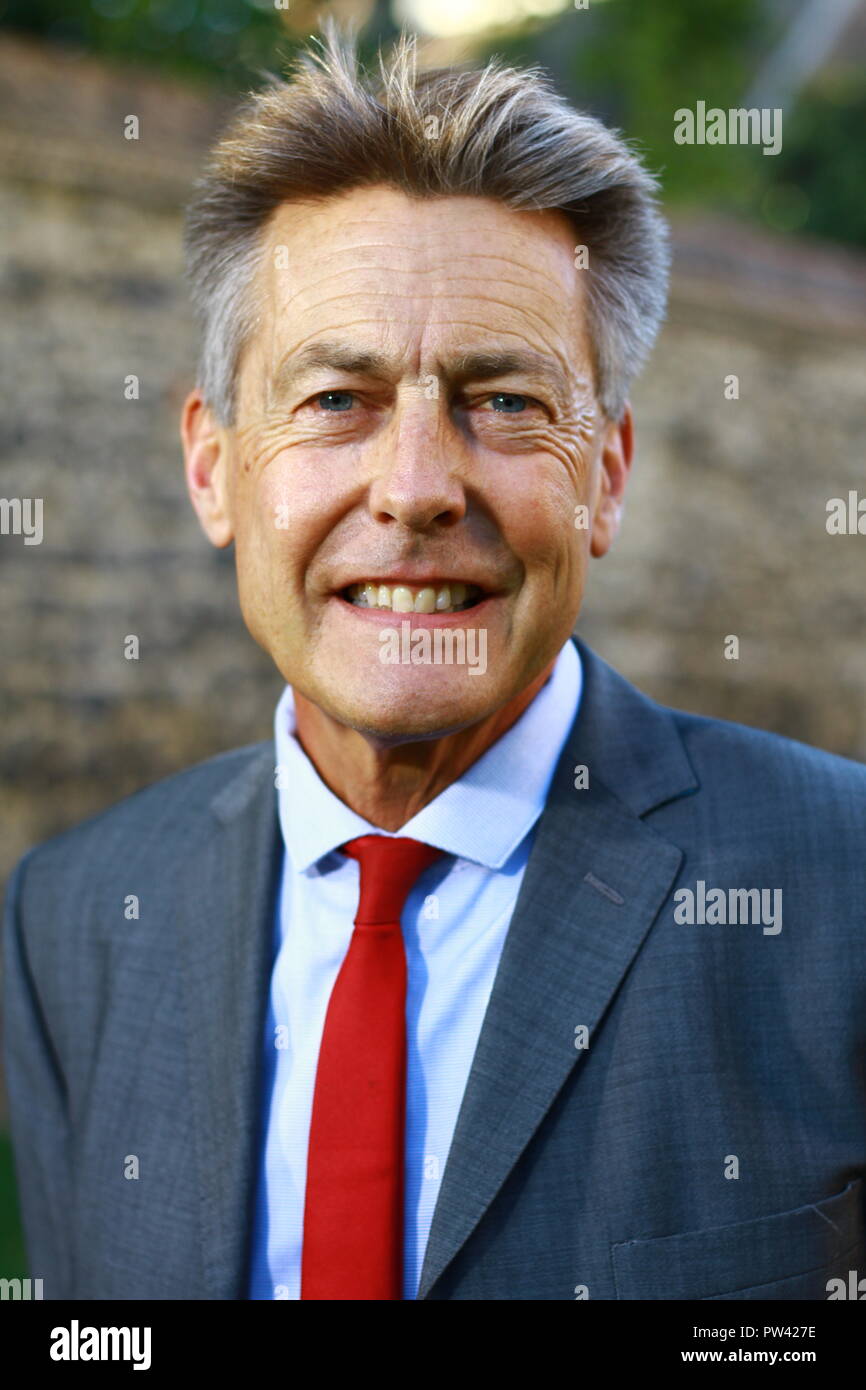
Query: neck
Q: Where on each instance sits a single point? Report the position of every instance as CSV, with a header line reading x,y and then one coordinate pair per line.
x,y
390,785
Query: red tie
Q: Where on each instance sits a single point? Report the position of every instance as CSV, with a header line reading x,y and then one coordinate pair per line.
x,y
353,1214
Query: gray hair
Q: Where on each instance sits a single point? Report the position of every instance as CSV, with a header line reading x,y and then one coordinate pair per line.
x,y
496,132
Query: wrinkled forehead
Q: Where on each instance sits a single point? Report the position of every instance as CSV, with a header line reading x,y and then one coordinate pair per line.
x,y
419,273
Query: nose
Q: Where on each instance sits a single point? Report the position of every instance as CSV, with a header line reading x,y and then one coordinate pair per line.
x,y
418,478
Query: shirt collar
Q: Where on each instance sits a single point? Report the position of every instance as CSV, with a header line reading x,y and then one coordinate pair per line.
x,y
483,816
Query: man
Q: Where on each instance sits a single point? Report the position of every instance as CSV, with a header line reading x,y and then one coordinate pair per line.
x,y
490,978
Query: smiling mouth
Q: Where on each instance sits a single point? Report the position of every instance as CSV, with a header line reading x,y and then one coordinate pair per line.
x,y
451,597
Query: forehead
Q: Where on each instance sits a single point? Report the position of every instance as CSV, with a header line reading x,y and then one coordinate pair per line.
x,y
416,222
375,259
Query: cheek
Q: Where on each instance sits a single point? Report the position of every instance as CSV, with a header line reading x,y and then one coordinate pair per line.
x,y
266,531
286,501
545,492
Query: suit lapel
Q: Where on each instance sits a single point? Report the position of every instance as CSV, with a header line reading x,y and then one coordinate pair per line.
x,y
225,924
595,881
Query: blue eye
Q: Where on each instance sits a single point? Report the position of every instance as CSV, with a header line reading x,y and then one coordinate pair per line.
x,y
512,403
335,400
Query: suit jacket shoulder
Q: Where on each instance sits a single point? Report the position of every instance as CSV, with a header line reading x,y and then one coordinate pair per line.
x,y
141,824
712,742
797,802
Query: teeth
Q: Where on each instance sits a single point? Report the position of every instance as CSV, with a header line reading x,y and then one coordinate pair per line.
x,y
401,598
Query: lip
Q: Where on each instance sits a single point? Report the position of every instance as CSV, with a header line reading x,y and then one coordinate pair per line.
x,y
387,616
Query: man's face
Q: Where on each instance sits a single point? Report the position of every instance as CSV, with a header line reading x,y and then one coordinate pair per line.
x,y
416,425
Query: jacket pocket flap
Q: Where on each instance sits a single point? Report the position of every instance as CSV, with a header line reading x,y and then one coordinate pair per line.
x,y
723,1259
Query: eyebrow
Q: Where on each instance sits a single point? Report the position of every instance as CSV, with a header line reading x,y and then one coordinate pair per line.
x,y
331,355
486,366
470,365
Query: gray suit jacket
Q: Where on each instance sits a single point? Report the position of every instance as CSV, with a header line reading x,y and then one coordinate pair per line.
x,y
708,1141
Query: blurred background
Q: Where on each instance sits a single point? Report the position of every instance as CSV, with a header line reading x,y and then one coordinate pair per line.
x,y
725,530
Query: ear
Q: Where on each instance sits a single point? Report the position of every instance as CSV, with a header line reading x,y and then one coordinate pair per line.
x,y
206,467
617,451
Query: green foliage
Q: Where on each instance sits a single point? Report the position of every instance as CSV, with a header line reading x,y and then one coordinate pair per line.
x,y
654,59
821,171
222,41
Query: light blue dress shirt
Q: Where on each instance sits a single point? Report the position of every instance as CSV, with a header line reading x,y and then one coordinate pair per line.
x,y
454,926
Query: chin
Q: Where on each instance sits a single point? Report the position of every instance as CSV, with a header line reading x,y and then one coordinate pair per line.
x,y
415,704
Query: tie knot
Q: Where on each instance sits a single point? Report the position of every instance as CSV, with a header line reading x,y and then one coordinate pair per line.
x,y
389,869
